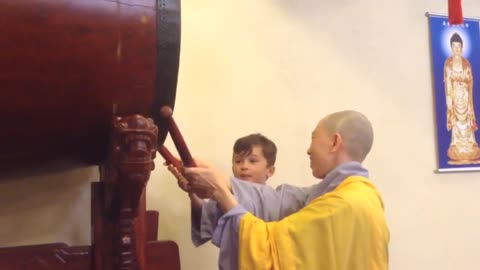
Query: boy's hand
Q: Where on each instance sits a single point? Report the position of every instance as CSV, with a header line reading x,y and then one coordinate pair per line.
x,y
181,181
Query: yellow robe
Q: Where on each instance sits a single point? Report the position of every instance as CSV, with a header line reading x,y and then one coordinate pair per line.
x,y
344,229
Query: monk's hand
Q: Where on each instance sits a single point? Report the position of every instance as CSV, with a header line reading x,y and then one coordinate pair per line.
x,y
209,180
184,184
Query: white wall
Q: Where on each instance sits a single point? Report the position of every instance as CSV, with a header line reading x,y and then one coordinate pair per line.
x,y
46,205
277,67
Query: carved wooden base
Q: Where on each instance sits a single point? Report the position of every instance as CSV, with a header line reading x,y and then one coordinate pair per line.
x,y
123,233
160,255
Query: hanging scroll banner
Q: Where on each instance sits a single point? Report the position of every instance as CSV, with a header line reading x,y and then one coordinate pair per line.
x,y
455,54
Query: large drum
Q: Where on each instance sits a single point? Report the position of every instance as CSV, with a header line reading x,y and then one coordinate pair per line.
x,y
67,67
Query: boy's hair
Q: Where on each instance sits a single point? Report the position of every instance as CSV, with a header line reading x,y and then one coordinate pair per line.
x,y
244,146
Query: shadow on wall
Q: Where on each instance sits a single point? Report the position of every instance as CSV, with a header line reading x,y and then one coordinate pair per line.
x,y
46,204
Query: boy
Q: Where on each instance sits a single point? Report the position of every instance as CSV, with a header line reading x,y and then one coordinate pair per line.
x,y
253,160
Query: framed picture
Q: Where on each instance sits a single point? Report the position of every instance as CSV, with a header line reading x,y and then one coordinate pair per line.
x,y
455,54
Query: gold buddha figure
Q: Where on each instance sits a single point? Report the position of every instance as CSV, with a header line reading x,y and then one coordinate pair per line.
x,y
461,119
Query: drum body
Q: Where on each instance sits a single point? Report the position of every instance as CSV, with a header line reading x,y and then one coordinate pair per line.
x,y
67,67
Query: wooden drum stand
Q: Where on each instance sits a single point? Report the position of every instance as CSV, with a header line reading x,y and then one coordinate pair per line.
x,y
123,233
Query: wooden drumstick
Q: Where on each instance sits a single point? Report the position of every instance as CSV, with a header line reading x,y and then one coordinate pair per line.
x,y
177,138
169,158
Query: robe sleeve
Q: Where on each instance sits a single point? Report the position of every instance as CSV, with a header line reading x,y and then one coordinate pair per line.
x,y
267,203
225,236
257,247
261,200
203,223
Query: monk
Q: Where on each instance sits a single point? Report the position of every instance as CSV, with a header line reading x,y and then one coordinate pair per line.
x,y
337,224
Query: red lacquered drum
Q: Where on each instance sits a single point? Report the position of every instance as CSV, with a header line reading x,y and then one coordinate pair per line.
x,y
67,67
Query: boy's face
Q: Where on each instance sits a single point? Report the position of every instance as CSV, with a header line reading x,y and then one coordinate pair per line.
x,y
252,167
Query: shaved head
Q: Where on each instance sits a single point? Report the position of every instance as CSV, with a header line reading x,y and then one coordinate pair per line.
x,y
355,130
